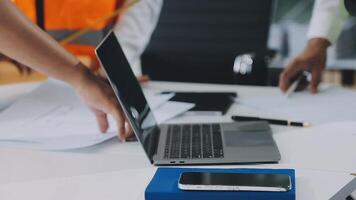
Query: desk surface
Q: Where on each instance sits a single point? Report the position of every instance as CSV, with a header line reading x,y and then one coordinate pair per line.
x,y
115,170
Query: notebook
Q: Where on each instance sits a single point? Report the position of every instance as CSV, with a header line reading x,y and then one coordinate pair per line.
x,y
206,103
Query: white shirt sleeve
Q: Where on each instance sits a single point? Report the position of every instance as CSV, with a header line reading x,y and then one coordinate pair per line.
x,y
328,19
134,30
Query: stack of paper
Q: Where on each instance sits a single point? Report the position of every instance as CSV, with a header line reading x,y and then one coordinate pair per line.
x,y
329,105
52,117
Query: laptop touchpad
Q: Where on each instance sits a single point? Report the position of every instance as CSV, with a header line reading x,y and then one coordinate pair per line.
x,y
247,139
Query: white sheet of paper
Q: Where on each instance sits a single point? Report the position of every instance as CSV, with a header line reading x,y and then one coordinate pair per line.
x,y
52,117
58,143
155,100
163,109
170,110
329,105
14,91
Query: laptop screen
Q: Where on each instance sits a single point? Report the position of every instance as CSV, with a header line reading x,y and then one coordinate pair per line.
x,y
129,92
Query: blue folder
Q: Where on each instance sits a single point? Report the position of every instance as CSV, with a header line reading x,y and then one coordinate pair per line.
x,y
164,186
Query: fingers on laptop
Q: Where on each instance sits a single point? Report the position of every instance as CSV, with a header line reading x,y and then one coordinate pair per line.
x,y
129,131
143,78
120,122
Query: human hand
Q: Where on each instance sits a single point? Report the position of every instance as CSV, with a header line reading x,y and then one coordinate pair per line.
x,y
143,78
23,69
313,58
100,98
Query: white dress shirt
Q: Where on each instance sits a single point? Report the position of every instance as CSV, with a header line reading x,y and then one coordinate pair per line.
x,y
328,19
135,28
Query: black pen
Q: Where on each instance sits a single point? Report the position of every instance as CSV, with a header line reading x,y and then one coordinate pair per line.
x,y
271,121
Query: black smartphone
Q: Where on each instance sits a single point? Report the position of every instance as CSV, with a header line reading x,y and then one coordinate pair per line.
x,y
207,181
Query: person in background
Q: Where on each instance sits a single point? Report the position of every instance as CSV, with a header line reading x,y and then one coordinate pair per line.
x,y
135,28
325,26
133,20
26,43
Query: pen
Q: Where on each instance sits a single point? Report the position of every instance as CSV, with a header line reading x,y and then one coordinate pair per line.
x,y
294,86
301,82
353,174
271,121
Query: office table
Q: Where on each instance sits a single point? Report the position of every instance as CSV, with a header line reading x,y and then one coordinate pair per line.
x,y
114,170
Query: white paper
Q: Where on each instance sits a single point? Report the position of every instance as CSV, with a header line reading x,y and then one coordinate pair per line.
x,y
58,143
170,110
163,109
329,105
52,117
155,100
12,92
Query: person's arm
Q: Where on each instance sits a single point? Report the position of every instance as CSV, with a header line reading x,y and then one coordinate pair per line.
x,y
135,27
23,70
328,19
325,26
21,40
24,42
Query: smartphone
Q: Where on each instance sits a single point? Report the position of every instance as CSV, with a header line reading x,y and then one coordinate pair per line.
x,y
207,181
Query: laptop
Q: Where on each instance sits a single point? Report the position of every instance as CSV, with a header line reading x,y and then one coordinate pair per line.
x,y
182,144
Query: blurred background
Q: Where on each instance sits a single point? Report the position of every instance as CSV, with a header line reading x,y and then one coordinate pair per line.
x,y
286,24
291,20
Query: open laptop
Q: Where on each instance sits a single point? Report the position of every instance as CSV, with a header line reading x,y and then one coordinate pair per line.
x,y
182,144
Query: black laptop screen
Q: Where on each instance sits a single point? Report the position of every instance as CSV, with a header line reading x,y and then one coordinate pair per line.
x,y
128,91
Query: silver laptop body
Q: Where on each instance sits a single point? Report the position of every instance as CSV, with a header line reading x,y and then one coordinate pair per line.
x,y
182,144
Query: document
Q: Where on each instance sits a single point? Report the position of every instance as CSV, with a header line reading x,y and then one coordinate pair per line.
x,y
10,93
52,117
329,105
155,99
163,109
171,109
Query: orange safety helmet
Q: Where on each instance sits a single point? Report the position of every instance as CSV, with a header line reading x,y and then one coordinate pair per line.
x,y
62,18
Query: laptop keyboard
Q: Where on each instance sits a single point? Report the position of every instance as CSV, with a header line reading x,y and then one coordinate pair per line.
x,y
194,141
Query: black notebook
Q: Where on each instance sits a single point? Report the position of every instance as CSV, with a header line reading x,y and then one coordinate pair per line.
x,y
207,103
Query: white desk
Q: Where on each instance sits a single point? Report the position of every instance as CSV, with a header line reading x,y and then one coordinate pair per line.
x,y
121,171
